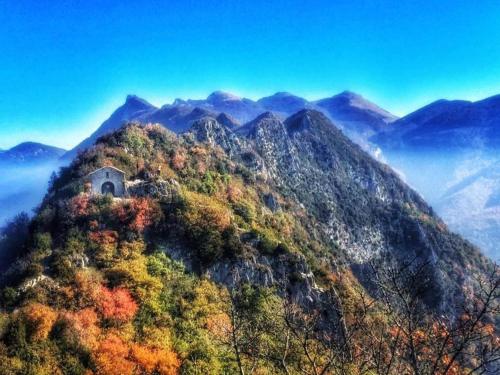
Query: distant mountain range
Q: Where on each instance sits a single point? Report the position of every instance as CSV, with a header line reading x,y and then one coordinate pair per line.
x,y
443,123
355,115
30,152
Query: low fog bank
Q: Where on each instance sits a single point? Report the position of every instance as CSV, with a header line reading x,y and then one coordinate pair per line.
x,y
22,187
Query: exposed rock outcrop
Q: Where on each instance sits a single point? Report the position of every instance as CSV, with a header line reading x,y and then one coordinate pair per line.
x,y
165,191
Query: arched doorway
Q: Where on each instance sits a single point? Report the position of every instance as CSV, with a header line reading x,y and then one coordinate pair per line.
x,y
108,188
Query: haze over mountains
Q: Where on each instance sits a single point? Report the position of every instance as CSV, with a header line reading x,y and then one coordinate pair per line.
x,y
445,150
448,151
26,169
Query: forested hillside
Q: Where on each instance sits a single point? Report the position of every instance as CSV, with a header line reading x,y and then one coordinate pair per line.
x,y
279,248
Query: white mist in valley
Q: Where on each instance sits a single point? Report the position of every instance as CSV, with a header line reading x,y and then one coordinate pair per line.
x,y
22,187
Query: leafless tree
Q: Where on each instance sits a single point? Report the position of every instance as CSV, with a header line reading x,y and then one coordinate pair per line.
x,y
463,341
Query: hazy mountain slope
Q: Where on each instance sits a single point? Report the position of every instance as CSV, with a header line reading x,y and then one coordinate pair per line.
x,y
23,187
472,207
26,169
355,115
30,152
449,124
133,108
449,145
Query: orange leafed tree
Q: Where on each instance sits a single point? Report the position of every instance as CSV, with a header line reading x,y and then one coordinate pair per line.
x,y
84,327
41,319
149,360
111,357
114,356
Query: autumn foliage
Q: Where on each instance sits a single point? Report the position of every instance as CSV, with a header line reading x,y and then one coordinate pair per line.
x,y
79,205
137,213
111,357
117,304
162,361
41,319
83,327
114,356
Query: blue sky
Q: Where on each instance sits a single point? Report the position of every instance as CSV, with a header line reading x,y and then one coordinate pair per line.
x,y
65,65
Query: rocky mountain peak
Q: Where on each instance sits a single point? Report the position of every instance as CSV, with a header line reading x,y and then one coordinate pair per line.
x,y
283,102
222,96
262,122
227,120
208,130
307,120
137,103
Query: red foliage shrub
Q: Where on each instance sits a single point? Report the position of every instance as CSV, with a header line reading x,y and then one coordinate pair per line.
x,y
104,237
137,213
117,304
79,205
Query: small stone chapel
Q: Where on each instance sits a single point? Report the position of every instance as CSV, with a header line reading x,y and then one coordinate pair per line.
x,y
107,180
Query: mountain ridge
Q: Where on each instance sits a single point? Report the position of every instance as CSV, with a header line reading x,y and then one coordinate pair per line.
x,y
449,123
179,115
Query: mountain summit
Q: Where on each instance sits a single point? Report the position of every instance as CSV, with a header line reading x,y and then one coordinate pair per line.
x,y
131,109
218,97
356,115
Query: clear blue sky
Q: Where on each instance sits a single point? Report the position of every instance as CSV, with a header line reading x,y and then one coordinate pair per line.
x,y
65,65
